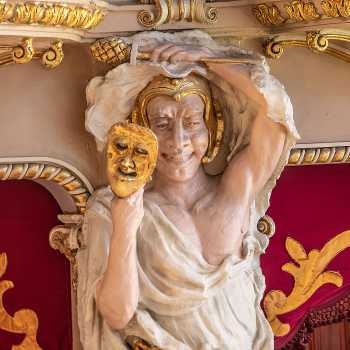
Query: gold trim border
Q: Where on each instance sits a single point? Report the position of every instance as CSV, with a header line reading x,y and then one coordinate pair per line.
x,y
332,154
51,14
48,169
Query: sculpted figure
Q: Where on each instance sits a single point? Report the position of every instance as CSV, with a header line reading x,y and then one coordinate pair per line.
x,y
176,263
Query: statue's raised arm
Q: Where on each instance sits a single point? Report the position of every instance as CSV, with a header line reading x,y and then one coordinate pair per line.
x,y
176,263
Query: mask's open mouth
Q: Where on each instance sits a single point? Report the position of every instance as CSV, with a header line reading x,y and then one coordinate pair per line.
x,y
131,175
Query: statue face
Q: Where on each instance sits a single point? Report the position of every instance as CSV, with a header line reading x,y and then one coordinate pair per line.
x,y
131,157
182,135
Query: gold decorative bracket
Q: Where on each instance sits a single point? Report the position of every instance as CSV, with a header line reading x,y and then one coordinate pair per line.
x,y
309,275
24,321
316,41
167,11
67,240
25,53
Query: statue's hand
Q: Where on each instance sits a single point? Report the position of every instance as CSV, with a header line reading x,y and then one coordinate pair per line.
x,y
180,53
127,213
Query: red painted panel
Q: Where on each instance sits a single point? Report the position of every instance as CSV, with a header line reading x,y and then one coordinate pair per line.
x,y
41,275
311,205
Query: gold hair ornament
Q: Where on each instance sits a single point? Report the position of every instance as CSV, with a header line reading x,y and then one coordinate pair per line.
x,y
178,88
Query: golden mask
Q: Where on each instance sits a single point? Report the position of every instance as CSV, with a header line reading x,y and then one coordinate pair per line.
x,y
178,88
132,153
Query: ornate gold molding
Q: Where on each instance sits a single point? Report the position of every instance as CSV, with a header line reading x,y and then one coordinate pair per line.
x,y
25,53
51,14
336,8
316,41
300,11
168,11
24,321
59,172
309,275
319,155
67,240
268,15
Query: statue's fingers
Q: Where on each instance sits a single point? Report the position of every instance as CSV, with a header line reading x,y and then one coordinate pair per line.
x,y
158,51
167,54
179,56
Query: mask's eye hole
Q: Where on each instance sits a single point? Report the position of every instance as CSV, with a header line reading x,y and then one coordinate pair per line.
x,y
141,151
121,146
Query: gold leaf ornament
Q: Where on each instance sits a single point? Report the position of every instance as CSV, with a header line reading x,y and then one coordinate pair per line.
x,y
309,275
24,321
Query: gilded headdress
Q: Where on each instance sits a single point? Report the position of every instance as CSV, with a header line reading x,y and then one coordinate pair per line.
x,y
178,88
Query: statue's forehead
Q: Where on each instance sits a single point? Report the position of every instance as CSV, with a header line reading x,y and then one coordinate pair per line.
x,y
133,134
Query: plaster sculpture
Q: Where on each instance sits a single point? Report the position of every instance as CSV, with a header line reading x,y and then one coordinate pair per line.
x,y
176,264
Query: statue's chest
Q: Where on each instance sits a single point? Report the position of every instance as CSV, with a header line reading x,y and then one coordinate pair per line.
x,y
184,221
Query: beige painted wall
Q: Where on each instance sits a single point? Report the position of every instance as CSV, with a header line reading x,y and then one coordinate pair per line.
x,y
42,112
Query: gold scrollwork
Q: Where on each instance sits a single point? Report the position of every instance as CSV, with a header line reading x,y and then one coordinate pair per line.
x,y
309,275
48,171
268,15
182,10
336,8
24,321
300,11
25,53
316,41
51,14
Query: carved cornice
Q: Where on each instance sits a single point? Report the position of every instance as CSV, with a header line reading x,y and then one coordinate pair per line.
x,y
24,52
167,11
54,170
316,41
51,14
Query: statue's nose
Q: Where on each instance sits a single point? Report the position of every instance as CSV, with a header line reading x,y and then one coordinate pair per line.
x,y
127,165
180,138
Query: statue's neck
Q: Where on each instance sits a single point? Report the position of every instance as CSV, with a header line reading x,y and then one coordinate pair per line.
x,y
184,194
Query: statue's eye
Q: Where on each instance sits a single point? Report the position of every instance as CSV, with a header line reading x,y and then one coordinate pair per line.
x,y
141,151
121,146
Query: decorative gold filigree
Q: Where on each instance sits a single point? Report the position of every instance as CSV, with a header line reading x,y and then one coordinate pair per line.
x,y
266,226
336,8
268,15
319,155
300,11
137,343
67,240
174,11
317,41
77,188
309,275
25,53
24,321
51,14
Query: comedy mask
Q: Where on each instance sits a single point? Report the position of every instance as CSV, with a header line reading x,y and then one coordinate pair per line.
x,y
132,153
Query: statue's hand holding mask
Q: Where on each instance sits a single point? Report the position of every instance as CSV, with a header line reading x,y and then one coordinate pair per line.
x,y
132,153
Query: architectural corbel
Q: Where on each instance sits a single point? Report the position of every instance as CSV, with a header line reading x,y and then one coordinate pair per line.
x,y
25,52
66,239
317,41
